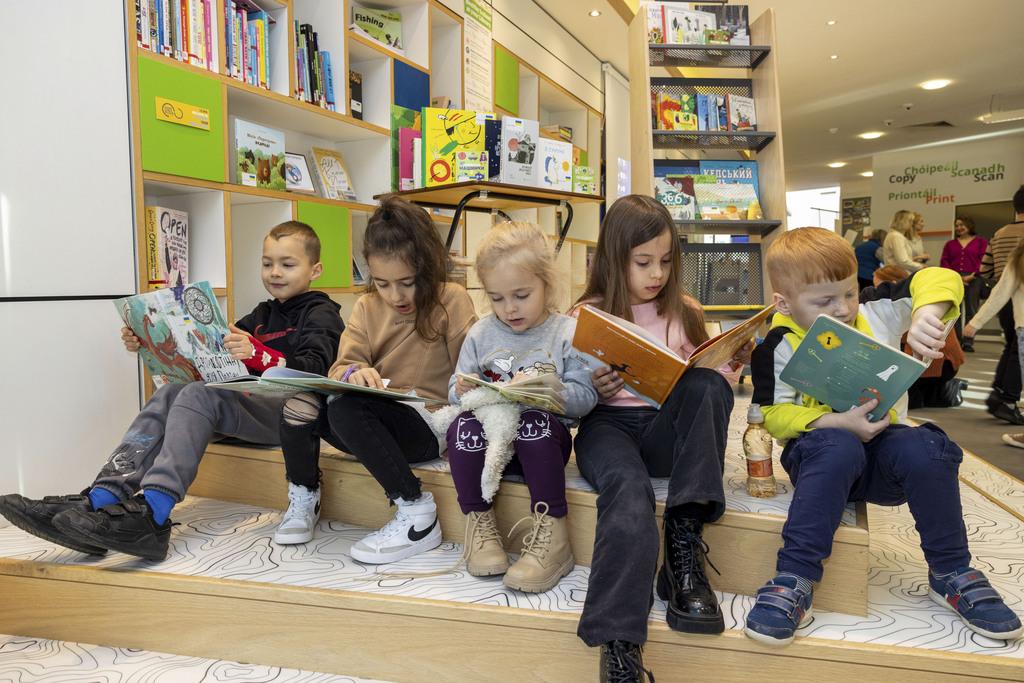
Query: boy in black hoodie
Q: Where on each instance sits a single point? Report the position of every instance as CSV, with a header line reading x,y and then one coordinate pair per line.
x,y
159,454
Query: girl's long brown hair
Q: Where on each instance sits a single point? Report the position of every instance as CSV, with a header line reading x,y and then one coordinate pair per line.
x,y
400,229
631,221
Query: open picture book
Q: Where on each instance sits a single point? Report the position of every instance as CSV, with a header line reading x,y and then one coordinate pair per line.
x,y
842,367
288,381
544,391
649,368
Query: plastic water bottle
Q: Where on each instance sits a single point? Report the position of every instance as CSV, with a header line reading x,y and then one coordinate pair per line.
x,y
757,447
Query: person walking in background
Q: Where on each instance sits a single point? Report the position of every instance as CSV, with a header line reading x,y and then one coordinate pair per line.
x,y
869,257
1002,402
903,246
963,254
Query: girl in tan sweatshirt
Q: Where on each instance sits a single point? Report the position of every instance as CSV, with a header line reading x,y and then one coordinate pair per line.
x,y
408,328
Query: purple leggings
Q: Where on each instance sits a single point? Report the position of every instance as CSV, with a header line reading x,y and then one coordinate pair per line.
x,y
541,451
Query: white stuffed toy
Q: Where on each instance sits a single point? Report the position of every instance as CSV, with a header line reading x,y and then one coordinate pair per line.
x,y
500,420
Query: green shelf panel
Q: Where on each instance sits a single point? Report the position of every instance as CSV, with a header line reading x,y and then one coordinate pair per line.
x,y
506,80
333,225
173,148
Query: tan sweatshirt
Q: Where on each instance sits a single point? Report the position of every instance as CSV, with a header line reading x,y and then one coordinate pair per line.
x,y
377,336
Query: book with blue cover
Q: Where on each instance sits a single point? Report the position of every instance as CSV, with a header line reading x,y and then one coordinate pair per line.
x,y
842,367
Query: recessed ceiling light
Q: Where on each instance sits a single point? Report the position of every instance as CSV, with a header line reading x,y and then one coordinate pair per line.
x,y
837,164
871,135
595,12
935,84
833,56
830,22
868,174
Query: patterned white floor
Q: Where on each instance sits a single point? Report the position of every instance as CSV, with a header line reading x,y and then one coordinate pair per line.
x,y
36,660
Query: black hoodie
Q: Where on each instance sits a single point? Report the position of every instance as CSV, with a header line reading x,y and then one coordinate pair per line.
x,y
306,329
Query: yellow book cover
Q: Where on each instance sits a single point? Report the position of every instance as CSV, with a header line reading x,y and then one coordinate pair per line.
x,y
261,48
445,133
152,248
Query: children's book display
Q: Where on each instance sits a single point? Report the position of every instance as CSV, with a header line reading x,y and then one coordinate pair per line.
x,y
708,190
166,247
649,368
185,30
296,174
545,390
182,332
314,77
259,156
703,112
247,42
687,23
382,26
407,138
289,381
554,171
471,167
842,367
583,180
332,175
519,150
446,132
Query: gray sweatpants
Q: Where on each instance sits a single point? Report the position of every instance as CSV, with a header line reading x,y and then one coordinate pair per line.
x,y
166,440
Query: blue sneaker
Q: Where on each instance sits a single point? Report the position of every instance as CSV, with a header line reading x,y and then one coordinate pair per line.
x,y
783,605
968,593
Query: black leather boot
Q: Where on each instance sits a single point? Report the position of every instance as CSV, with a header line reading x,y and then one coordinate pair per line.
x,y
622,662
683,583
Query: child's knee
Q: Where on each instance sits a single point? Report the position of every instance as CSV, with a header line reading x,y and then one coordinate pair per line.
x,y
837,449
301,409
466,434
926,446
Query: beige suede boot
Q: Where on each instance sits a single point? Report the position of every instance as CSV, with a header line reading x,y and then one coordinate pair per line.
x,y
546,556
485,555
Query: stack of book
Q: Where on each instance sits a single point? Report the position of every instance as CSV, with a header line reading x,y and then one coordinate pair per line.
x,y
687,23
314,77
701,112
247,42
709,190
185,30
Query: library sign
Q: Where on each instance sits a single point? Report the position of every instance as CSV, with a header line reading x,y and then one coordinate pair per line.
x,y
936,180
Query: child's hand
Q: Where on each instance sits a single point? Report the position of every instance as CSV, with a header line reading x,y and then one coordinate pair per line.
x,y
855,420
970,331
130,341
926,334
366,377
462,386
742,356
607,382
239,344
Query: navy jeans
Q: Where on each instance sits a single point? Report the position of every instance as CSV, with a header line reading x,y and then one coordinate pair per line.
x,y
914,465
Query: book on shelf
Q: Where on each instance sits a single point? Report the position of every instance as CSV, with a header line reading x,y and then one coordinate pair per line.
x,y
744,172
554,165
446,132
166,247
314,77
184,30
842,367
676,113
332,174
296,174
417,163
406,157
355,89
276,381
583,180
685,26
401,117
538,390
655,23
649,368
492,145
555,131
471,167
519,139
742,115
727,201
259,155
247,42
732,24
382,26
181,331
677,196
441,102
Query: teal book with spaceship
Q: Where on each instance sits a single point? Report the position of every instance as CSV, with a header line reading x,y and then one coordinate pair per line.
x,y
843,367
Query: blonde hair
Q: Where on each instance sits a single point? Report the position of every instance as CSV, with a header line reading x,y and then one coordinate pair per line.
x,y
518,244
808,256
903,223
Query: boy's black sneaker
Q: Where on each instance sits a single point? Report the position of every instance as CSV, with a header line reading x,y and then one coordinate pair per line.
x,y
622,662
36,517
683,583
1003,411
126,527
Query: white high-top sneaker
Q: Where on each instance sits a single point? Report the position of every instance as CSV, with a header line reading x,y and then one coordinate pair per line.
x,y
300,519
413,530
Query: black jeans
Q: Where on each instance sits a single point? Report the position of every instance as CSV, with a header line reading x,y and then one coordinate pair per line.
x,y
1007,383
384,435
618,450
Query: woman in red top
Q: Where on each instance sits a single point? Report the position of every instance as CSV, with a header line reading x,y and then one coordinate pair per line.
x,y
963,254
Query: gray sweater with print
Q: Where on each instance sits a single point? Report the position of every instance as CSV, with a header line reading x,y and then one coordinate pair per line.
x,y
496,353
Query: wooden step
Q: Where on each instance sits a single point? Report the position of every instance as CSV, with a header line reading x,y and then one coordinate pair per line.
x,y
743,544
226,592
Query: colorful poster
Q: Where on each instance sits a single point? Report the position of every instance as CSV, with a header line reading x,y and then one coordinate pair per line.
x,y
478,67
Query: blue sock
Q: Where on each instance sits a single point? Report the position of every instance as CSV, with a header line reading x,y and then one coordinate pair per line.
x,y
101,498
160,503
